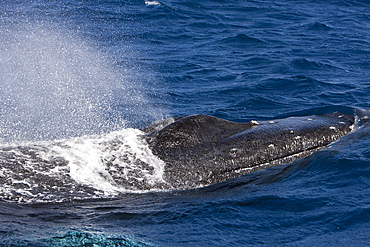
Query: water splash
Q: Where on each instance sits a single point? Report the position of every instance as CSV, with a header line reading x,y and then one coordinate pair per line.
x,y
119,161
97,166
61,137
56,85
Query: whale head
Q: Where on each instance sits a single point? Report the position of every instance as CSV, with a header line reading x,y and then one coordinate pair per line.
x,y
200,150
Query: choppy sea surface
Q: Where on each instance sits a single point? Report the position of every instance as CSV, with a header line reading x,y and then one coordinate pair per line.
x,y
81,77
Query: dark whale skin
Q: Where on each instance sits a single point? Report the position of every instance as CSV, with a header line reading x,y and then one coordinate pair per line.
x,y
201,150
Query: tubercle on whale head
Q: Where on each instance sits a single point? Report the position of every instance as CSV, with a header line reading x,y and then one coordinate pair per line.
x,y
272,138
363,114
229,152
234,152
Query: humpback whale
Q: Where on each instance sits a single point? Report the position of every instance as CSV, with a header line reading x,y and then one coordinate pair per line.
x,y
185,153
201,150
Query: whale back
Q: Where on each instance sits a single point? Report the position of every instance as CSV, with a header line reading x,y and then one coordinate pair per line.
x,y
200,149
195,132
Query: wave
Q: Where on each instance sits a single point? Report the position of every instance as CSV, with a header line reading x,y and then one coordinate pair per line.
x,y
318,26
297,83
242,39
87,238
307,64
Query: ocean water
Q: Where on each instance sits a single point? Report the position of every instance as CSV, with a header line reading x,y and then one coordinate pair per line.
x,y
79,79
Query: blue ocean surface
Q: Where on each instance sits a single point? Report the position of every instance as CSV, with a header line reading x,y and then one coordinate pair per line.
x,y
74,70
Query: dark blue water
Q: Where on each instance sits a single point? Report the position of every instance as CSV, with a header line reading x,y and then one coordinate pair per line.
x,y
74,68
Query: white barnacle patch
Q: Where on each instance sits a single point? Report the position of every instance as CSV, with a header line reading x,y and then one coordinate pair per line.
x,y
291,131
310,119
297,137
342,122
332,128
271,122
255,122
271,145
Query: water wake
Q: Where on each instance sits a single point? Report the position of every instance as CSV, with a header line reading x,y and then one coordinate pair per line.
x,y
98,166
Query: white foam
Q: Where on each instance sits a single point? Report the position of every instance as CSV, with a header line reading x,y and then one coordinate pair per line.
x,y
84,162
94,166
150,3
106,162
